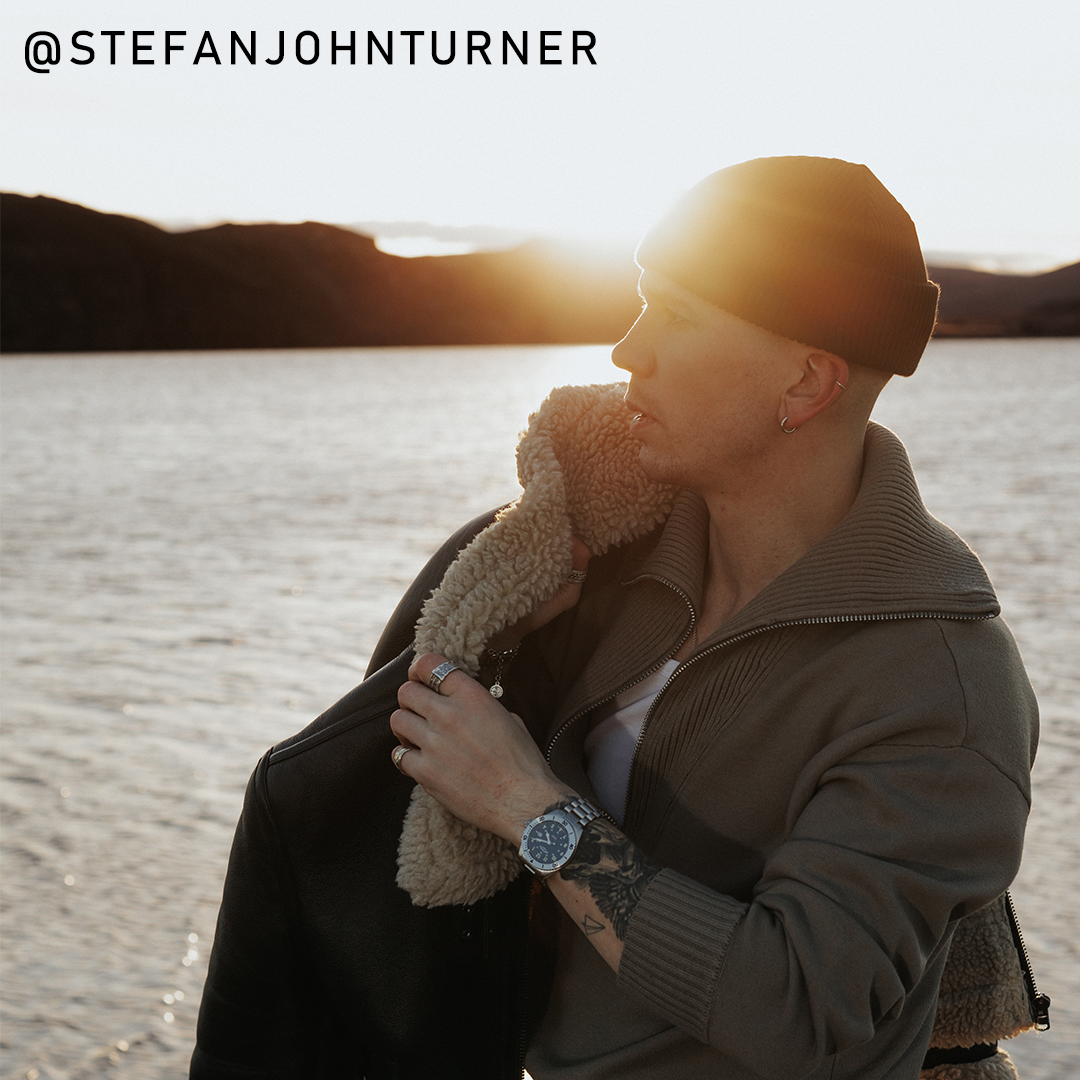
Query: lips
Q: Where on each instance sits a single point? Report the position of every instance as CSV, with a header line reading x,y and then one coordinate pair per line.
x,y
640,419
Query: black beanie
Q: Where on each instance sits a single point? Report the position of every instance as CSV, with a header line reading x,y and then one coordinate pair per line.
x,y
814,249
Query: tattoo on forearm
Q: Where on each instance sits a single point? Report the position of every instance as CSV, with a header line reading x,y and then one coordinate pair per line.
x,y
591,926
615,873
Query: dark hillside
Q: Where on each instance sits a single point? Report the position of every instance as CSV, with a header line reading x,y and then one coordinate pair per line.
x,y
77,280
977,304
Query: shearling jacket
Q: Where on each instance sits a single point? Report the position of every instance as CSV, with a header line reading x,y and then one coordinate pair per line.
x,y
830,783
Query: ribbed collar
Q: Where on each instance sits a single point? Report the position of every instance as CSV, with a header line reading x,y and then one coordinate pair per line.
x,y
888,557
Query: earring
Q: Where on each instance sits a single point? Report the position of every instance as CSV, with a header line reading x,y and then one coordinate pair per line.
x,y
785,429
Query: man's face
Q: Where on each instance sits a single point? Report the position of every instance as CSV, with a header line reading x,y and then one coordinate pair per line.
x,y
706,386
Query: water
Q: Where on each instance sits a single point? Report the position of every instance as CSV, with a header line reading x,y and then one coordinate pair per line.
x,y
200,551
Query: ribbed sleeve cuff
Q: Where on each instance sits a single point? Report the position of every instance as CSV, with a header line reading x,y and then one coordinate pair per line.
x,y
675,948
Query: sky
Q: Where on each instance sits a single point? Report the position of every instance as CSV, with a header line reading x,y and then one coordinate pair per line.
x,y
967,110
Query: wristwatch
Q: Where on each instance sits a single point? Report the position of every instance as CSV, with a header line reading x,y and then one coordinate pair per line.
x,y
550,840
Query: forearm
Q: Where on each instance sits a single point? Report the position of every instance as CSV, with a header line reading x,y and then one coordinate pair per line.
x,y
601,885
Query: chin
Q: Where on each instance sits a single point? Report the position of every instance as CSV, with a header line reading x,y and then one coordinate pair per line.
x,y
659,468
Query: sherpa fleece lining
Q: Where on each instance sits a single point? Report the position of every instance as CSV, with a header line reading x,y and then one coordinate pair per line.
x,y
579,473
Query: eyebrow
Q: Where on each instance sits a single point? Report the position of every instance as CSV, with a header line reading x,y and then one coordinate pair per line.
x,y
660,295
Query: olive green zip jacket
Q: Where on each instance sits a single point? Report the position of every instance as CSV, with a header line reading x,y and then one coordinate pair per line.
x,y
830,782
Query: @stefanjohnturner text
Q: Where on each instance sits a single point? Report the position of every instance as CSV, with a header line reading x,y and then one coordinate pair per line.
x,y
44,51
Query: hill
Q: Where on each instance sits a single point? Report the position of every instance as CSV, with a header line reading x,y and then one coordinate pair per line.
x,y
978,304
74,279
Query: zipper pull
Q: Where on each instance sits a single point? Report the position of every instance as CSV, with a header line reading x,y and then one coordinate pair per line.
x,y
1042,1012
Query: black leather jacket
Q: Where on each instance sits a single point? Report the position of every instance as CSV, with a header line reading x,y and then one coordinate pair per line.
x,y
321,966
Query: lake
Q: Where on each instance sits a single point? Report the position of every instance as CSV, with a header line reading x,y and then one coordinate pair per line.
x,y
199,552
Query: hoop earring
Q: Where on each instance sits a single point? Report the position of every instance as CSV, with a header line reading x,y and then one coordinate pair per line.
x,y
785,429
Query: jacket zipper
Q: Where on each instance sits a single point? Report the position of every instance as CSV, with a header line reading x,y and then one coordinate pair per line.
x,y
811,621
633,682
815,620
1038,1004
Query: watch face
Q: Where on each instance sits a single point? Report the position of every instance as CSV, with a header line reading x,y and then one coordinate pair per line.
x,y
548,843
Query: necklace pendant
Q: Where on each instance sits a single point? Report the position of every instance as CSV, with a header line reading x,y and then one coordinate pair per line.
x,y
503,657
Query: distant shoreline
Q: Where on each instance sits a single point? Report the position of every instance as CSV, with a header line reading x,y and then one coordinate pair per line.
x,y
77,280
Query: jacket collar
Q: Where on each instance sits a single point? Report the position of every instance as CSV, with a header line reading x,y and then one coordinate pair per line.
x,y
888,558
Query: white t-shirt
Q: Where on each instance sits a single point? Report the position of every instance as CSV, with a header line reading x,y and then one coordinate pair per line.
x,y
609,747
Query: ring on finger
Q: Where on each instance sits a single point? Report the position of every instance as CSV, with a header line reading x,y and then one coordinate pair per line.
x,y
435,679
398,754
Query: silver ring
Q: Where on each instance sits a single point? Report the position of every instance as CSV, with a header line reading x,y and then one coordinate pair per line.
x,y
436,677
576,577
398,754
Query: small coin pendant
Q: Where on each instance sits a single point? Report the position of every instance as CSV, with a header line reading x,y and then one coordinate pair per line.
x,y
496,690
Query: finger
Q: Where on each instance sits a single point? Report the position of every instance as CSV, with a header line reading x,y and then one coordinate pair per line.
x,y
579,565
579,554
418,698
399,754
422,666
408,726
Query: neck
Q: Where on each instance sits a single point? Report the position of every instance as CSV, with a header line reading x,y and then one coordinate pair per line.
x,y
776,511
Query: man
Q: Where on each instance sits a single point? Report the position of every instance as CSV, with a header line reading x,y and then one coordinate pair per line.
x,y
769,753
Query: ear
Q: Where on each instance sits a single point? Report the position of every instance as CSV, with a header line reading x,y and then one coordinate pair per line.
x,y
822,378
